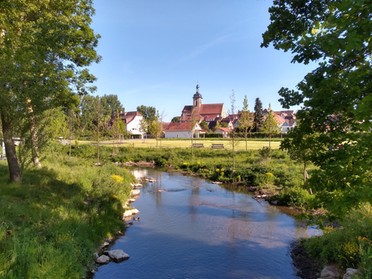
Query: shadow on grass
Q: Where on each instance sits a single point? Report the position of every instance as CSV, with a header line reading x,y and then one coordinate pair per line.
x,y
49,228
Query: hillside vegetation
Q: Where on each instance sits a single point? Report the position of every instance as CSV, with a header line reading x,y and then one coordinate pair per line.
x,y
52,223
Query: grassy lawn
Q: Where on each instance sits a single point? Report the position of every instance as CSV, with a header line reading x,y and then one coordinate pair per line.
x,y
186,143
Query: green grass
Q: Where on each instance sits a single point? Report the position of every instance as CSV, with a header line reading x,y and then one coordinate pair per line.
x,y
252,144
51,223
350,245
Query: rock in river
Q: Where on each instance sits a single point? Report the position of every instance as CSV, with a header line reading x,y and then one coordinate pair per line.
x,y
103,259
118,255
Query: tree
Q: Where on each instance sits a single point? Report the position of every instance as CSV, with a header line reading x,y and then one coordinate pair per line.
x,y
149,115
45,48
232,133
245,120
117,128
88,114
258,115
155,127
270,126
335,117
111,105
299,148
176,119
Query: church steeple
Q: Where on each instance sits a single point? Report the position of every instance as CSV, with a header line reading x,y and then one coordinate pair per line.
x,y
197,98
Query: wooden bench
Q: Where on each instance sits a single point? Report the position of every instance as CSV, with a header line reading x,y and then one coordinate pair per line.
x,y
197,145
217,146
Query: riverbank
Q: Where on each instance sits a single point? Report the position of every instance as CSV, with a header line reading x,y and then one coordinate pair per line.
x,y
307,267
266,170
53,222
72,204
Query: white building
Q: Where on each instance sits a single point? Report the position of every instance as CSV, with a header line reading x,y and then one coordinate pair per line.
x,y
182,130
133,121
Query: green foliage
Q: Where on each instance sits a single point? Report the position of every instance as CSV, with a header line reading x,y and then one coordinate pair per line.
x,y
148,112
111,105
270,126
258,116
265,152
52,223
348,246
334,124
251,170
45,50
295,196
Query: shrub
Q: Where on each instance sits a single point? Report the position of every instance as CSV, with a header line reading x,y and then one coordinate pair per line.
x,y
265,152
265,180
348,246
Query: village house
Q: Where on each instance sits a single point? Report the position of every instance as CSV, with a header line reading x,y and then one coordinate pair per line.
x,y
224,131
182,130
286,119
216,119
133,121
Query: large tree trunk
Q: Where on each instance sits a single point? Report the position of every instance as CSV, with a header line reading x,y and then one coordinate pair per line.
x,y
11,155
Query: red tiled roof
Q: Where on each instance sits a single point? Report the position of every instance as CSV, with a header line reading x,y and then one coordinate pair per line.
x,y
211,109
278,119
179,126
130,115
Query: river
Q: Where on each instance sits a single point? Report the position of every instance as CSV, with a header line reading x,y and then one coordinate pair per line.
x,y
191,228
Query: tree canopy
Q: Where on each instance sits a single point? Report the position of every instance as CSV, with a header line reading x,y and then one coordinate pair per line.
x,y
270,126
45,48
148,112
258,115
335,116
245,120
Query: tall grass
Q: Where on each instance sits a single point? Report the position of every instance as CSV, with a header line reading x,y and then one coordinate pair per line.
x,y
348,246
51,224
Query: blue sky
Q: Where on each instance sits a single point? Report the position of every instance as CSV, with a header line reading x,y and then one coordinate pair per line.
x,y
155,52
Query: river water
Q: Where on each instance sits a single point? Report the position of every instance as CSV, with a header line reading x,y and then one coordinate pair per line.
x,y
191,228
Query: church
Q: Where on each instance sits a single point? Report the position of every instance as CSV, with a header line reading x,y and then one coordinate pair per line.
x,y
199,112
193,115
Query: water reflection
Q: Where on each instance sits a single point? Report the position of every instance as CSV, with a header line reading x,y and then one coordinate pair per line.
x,y
195,229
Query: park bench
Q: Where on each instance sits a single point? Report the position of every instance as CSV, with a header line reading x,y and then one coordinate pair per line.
x,y
197,145
217,146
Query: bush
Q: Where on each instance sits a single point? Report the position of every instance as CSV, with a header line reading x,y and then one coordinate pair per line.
x,y
265,180
348,246
295,196
265,152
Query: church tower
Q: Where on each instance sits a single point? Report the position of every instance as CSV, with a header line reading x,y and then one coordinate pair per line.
x,y
197,98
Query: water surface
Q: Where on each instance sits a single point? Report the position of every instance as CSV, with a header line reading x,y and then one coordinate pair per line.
x,y
191,228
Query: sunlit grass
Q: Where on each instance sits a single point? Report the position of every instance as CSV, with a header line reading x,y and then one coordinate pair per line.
x,y
239,144
51,223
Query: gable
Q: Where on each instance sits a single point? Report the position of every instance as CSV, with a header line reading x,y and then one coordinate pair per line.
x,y
130,116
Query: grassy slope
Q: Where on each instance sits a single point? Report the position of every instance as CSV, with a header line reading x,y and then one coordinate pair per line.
x,y
51,224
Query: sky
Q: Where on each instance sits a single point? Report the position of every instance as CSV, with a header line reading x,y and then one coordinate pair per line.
x,y
155,52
